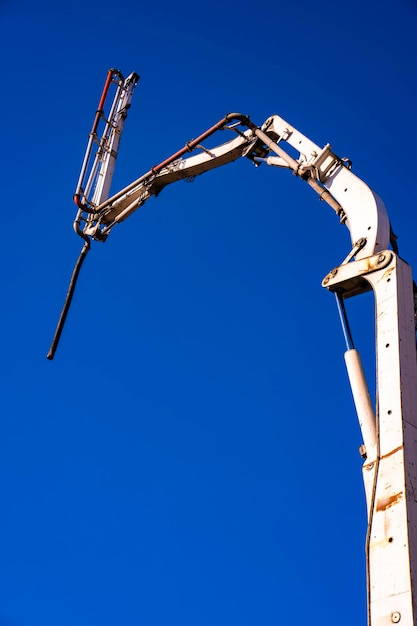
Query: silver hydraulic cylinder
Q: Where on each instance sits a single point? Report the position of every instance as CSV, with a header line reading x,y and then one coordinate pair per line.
x,y
362,400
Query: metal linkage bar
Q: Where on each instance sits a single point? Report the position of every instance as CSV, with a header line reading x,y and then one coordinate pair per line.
x,y
344,320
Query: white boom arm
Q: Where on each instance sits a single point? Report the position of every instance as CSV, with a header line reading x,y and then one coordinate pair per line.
x,y
356,204
390,430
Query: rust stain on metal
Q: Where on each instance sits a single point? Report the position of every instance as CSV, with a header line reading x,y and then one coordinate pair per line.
x,y
388,272
370,465
385,503
385,456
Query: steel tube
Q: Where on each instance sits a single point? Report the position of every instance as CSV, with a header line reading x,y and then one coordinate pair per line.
x,y
361,397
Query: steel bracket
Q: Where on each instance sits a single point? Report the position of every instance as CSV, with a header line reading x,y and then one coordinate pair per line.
x,y
349,278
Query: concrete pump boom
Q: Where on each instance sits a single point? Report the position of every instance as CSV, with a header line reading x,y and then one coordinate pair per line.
x,y
389,431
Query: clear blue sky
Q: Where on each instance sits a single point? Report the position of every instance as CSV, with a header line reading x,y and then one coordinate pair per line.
x,y
190,457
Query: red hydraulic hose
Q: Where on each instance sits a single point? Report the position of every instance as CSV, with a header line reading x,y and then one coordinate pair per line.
x,y
190,145
84,207
100,109
111,73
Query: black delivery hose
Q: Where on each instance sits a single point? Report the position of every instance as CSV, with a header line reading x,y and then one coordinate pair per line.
x,y
68,299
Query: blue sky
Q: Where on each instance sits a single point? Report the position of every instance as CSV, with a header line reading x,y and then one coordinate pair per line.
x,y
191,455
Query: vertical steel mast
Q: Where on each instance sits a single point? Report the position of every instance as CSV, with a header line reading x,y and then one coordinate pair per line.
x,y
390,458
